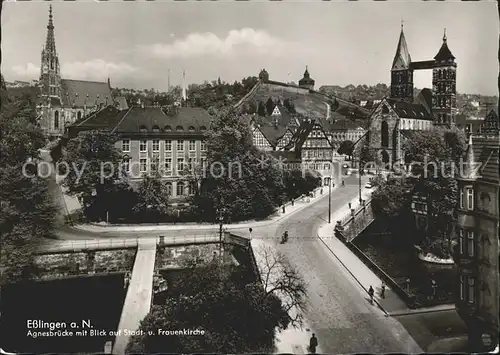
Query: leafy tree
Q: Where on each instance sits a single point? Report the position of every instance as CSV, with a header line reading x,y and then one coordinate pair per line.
x,y
152,204
27,213
270,106
441,149
94,166
237,315
346,147
237,176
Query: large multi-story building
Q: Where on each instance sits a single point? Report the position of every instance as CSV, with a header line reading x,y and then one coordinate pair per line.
x,y
63,101
477,253
168,140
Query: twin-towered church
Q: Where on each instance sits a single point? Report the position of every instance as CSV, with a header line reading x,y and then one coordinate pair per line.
x,y
394,119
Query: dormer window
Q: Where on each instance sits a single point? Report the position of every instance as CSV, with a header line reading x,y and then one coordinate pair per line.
x,y
203,128
168,128
191,129
143,129
156,128
179,128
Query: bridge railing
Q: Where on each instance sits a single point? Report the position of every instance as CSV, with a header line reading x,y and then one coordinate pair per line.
x,y
359,209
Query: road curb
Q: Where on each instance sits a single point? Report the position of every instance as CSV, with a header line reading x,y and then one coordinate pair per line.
x,y
355,278
417,311
208,227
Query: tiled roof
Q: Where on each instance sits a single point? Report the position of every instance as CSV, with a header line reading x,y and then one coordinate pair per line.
x,y
410,110
424,98
186,120
444,53
486,152
272,133
80,93
274,127
402,59
107,117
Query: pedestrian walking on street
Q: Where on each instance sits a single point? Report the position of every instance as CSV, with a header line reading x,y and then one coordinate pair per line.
x,y
371,293
382,291
313,343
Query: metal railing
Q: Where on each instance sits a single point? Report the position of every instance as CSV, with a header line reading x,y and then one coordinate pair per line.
x,y
346,219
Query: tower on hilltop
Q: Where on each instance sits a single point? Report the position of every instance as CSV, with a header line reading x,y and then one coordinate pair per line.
x,y
402,72
444,92
50,77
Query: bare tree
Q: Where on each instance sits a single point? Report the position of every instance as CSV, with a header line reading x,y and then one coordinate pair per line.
x,y
283,280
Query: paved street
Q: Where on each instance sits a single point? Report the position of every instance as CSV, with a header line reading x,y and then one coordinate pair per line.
x,y
338,309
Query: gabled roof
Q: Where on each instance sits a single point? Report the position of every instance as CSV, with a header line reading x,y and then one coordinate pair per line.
x,y
402,59
80,93
410,110
490,126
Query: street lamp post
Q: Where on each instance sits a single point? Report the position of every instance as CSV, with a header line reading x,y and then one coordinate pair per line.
x,y
359,176
221,211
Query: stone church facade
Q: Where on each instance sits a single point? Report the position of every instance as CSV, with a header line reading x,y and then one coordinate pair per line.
x,y
394,119
61,102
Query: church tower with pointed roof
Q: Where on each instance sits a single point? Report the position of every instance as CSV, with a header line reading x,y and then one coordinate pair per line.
x,y
50,77
401,72
444,92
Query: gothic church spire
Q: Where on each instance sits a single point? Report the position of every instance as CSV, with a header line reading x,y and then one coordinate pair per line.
x,y
50,42
402,59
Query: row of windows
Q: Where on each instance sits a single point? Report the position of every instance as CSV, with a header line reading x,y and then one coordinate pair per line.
x,y
415,124
402,90
154,165
321,154
466,242
444,102
168,128
143,145
468,289
444,87
317,143
444,74
466,199
402,76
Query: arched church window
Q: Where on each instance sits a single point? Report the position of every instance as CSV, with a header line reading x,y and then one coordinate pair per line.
x,y
440,74
385,109
52,64
56,120
79,115
385,134
445,74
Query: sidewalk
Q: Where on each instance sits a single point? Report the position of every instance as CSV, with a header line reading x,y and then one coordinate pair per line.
x,y
277,216
292,340
360,272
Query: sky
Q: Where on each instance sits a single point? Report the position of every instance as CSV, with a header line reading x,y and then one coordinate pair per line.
x,y
342,43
